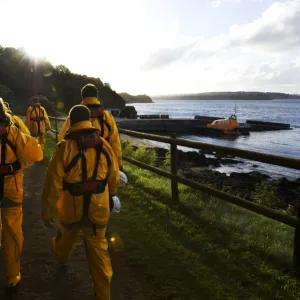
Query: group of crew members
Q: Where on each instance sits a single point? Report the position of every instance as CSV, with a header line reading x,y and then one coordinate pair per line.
x,y
80,187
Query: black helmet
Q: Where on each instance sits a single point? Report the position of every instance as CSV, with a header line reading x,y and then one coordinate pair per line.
x,y
79,113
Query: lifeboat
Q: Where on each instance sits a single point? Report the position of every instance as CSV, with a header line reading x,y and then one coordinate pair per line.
x,y
228,126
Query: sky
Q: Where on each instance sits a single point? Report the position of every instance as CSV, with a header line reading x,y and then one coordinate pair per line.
x,y
160,47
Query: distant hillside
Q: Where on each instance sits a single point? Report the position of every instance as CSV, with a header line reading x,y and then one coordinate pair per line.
x,y
228,96
21,77
135,99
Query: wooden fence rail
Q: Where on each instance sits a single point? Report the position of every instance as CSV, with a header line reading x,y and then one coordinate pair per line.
x,y
293,163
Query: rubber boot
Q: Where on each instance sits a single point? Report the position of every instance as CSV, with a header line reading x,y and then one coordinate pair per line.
x,y
12,281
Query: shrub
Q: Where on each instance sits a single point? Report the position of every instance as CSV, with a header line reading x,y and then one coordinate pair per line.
x,y
265,194
144,155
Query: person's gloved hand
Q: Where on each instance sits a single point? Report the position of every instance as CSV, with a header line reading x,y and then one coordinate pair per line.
x,y
49,223
114,205
123,180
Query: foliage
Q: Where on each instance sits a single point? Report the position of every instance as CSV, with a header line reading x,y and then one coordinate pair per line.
x,y
265,194
50,145
26,77
167,162
128,149
146,155
143,154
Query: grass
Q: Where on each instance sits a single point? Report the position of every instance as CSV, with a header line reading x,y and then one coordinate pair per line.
x,y
50,145
217,251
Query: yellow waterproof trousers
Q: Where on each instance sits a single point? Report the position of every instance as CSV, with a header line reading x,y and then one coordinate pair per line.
x,y
96,247
12,218
42,141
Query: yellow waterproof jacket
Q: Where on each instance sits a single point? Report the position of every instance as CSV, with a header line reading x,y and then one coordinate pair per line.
x,y
70,208
19,123
112,135
26,148
37,128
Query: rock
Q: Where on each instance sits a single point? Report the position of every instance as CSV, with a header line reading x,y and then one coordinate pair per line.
x,y
234,183
228,161
259,176
288,199
128,112
198,159
285,184
281,204
195,158
213,162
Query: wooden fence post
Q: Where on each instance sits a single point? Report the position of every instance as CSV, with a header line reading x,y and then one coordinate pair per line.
x,y
296,254
174,183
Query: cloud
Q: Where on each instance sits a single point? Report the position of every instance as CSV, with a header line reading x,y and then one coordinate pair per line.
x,y
189,52
215,3
165,56
276,31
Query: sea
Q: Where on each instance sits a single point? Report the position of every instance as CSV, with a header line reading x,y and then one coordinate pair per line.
x,y
283,142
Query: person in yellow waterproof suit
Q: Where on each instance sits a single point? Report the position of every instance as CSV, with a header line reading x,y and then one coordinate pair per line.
x,y
108,128
37,121
16,120
69,190
15,145
22,127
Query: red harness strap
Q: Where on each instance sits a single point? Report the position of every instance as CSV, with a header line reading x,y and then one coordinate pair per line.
x,y
86,140
97,110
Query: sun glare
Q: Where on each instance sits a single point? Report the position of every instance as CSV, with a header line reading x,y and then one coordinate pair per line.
x,y
36,51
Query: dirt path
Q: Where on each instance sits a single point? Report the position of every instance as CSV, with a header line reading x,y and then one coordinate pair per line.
x,y
42,277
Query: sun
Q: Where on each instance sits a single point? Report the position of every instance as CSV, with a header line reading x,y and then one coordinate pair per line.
x,y
36,50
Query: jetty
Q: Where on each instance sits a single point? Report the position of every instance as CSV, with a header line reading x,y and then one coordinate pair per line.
x,y
165,124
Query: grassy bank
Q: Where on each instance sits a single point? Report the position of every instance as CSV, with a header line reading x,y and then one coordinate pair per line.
x,y
217,252
50,145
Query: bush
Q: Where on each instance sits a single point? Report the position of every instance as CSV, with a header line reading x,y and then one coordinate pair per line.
x,y
128,149
265,194
167,162
144,155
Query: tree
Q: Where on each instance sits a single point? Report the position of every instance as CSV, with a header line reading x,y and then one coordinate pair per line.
x,y
25,77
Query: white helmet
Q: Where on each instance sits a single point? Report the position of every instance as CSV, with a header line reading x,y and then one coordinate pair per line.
x,y
50,134
117,205
123,180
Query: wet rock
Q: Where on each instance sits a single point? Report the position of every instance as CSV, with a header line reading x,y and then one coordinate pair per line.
x,y
213,162
285,184
234,183
196,166
258,175
229,161
128,112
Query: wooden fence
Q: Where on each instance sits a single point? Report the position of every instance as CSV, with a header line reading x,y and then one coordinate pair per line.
x,y
250,155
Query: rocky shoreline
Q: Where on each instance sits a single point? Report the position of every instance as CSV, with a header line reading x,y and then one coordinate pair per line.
x,y
200,167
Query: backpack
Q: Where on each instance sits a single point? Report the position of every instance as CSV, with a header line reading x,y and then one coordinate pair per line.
x,y
97,112
86,138
6,169
38,117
